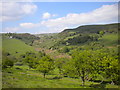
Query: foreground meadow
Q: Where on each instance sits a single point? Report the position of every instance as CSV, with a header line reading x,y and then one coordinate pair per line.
x,y
23,77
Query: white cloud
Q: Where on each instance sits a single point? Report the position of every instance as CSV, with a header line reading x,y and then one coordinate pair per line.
x,y
102,15
11,29
48,15
105,14
28,25
15,11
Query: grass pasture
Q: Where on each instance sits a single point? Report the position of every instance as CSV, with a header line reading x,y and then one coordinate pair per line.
x,y
23,77
15,47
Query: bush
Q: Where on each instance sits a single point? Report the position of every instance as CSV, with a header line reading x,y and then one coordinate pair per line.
x,y
64,50
7,63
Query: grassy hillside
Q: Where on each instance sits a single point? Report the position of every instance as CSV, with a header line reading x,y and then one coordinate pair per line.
x,y
15,47
46,40
109,39
25,37
79,36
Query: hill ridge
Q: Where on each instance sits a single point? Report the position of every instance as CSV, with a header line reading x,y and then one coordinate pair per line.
x,y
94,28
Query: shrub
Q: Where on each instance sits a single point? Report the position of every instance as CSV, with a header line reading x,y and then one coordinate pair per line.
x,y
7,62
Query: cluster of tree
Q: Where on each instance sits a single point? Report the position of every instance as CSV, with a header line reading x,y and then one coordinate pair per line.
x,y
7,60
85,64
79,39
76,38
89,64
64,50
82,38
39,61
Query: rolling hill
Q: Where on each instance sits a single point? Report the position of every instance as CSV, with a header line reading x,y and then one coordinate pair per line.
x,y
80,36
15,46
92,49
94,28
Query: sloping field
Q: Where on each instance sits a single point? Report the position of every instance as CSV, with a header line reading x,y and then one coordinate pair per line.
x,y
110,39
15,47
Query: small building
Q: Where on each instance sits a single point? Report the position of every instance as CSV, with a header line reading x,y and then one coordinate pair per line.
x,y
11,37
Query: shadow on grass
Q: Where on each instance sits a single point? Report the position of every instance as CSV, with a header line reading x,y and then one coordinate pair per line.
x,y
102,84
54,78
99,81
98,85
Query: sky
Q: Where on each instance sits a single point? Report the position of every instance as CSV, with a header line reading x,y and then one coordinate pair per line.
x,y
54,17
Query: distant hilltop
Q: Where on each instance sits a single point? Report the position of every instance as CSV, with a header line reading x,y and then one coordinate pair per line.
x,y
94,28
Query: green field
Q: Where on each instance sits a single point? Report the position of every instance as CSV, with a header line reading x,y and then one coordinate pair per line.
x,y
15,47
29,78
109,39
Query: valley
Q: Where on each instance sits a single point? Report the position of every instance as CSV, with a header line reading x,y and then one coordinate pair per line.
x,y
83,57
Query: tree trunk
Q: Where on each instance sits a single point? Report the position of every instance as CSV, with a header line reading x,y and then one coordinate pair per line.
x,y
83,80
83,77
44,75
60,71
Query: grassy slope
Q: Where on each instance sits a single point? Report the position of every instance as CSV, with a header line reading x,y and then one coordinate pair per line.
x,y
109,39
44,42
13,45
24,78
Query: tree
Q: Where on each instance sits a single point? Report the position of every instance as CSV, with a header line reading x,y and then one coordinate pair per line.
x,y
60,62
92,64
30,59
45,64
65,50
82,63
108,65
69,69
40,54
7,62
101,33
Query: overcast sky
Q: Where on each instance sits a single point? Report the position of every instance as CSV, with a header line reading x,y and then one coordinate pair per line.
x,y
52,17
